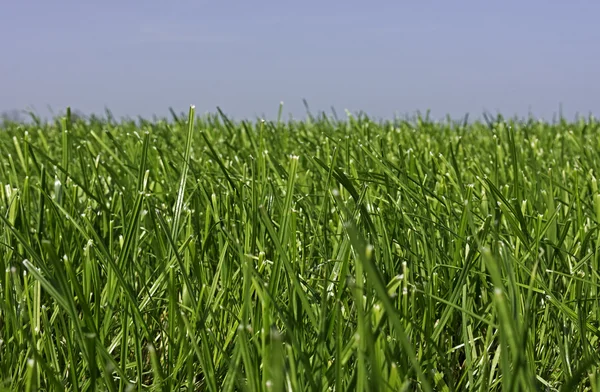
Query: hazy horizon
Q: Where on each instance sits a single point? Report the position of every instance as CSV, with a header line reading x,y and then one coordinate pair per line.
x,y
51,114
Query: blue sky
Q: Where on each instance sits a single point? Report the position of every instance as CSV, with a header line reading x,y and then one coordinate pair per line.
x,y
382,57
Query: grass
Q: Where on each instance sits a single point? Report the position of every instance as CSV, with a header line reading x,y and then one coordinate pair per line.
x,y
205,254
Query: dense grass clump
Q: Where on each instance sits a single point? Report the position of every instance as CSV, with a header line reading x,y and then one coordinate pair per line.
x,y
202,254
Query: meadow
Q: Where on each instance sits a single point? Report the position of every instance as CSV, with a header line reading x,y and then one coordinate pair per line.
x,y
202,253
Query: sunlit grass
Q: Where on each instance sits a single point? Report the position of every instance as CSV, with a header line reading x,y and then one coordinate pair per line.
x,y
203,254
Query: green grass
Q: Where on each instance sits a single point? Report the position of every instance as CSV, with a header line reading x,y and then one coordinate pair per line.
x,y
206,254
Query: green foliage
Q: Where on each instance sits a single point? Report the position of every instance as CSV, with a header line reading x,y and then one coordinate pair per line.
x,y
203,254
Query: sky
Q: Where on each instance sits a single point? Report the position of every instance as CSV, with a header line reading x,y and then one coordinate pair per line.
x,y
385,58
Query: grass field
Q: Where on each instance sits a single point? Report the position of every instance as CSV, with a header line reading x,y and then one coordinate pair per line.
x,y
201,254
